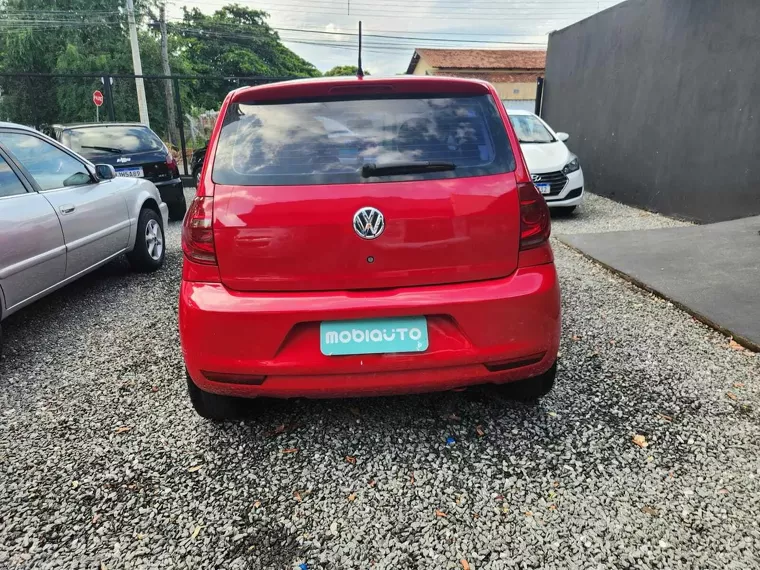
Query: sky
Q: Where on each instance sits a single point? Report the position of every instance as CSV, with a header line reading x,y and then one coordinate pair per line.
x,y
433,23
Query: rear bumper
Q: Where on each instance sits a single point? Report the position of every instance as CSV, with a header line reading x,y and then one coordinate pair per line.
x,y
513,323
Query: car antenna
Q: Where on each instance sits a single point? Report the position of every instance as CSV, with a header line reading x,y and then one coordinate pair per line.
x,y
359,70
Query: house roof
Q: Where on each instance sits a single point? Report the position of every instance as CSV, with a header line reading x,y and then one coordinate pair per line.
x,y
493,76
480,59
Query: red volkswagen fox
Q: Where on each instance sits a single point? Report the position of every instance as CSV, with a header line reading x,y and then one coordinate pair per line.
x,y
365,236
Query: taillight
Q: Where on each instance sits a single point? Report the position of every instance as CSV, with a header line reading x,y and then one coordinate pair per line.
x,y
197,231
171,162
535,225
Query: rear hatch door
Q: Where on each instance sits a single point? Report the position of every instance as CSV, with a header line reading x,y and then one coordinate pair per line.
x,y
304,201
133,150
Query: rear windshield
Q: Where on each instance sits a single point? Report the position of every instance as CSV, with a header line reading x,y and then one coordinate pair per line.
x,y
126,139
328,141
530,129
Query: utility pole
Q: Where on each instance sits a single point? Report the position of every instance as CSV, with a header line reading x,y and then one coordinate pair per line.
x,y
142,102
171,111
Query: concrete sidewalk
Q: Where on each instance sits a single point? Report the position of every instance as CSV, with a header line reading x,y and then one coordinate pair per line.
x,y
711,271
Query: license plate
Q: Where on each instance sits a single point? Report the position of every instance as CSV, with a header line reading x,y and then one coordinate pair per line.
x,y
130,172
373,336
544,188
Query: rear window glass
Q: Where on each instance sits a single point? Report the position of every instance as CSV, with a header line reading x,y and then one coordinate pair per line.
x,y
127,139
329,141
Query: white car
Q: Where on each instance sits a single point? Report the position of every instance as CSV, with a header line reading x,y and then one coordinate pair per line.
x,y
555,170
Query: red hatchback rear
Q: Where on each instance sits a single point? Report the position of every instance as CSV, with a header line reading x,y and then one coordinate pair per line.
x,y
364,237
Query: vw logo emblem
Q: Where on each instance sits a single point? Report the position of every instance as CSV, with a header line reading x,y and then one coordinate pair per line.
x,y
536,177
369,223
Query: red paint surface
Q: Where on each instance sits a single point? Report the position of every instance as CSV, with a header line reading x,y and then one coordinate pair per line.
x,y
288,258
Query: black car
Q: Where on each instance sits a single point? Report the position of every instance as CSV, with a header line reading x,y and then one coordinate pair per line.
x,y
196,164
134,151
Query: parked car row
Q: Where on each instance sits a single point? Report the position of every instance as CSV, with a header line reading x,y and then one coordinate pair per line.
x,y
341,242
61,217
134,151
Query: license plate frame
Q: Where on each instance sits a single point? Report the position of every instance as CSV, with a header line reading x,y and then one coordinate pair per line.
x,y
134,172
374,336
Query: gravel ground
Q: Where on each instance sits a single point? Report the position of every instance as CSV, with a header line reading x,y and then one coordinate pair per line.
x,y
103,463
599,214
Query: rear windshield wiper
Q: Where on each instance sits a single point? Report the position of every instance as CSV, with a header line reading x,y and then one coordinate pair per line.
x,y
105,148
398,168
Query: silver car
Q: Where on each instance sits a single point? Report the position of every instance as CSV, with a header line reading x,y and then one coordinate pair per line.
x,y
62,217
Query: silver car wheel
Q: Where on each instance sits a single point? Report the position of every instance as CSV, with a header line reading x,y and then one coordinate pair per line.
x,y
154,239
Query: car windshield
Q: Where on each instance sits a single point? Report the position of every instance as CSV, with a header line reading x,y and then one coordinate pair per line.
x,y
530,129
331,141
113,139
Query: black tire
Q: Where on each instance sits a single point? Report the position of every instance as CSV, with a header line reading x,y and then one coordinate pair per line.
x,y
1,341
177,209
143,258
565,210
215,407
531,389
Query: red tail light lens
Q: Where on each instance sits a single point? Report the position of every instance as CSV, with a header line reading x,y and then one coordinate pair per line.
x,y
197,231
172,164
535,225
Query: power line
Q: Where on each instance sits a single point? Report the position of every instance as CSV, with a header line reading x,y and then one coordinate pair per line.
x,y
447,40
383,36
406,11
384,45
343,4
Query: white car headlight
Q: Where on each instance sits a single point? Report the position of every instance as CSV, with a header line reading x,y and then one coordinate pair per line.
x,y
571,166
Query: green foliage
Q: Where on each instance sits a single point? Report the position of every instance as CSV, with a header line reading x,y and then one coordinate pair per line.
x,y
234,42
91,36
344,70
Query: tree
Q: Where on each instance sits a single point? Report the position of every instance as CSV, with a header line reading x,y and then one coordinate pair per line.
x,y
344,70
91,36
81,36
234,42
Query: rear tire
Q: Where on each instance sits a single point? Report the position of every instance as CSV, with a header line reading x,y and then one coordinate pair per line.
x,y
150,250
213,406
177,209
565,210
531,389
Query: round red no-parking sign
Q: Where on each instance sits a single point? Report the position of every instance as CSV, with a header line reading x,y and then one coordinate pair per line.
x,y
97,98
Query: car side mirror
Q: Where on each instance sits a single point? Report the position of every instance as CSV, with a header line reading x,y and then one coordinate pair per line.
x,y
562,137
105,172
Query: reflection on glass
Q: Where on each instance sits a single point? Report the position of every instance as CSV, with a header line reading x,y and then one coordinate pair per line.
x,y
324,142
530,129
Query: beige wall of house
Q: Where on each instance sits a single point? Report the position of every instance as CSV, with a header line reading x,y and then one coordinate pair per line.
x,y
423,68
516,90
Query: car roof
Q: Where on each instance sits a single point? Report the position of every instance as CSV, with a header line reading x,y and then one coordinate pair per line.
x,y
87,125
519,112
7,125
